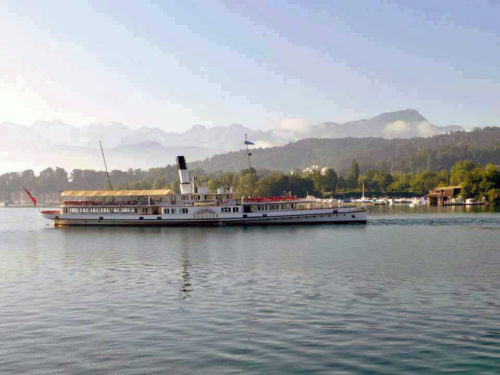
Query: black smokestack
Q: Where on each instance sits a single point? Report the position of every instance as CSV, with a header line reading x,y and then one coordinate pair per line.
x,y
181,163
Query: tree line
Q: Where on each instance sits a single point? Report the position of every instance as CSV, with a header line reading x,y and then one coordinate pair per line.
x,y
476,181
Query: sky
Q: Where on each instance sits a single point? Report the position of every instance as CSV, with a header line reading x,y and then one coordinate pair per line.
x,y
173,64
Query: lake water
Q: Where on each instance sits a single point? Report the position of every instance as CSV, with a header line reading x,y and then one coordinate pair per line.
x,y
415,290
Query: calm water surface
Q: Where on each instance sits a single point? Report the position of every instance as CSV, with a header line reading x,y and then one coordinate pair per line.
x,y
415,290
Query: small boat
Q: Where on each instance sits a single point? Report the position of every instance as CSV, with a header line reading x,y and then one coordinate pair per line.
x,y
473,202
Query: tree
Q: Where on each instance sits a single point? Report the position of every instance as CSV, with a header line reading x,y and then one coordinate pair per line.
x,y
401,182
460,170
159,183
51,180
331,180
353,176
376,180
424,181
494,196
244,185
491,178
471,184
278,184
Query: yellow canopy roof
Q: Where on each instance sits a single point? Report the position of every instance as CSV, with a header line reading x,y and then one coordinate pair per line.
x,y
116,193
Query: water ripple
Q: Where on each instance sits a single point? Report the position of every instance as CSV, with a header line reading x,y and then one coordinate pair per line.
x,y
409,292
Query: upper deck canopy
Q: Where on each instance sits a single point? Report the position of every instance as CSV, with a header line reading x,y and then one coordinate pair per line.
x,y
117,193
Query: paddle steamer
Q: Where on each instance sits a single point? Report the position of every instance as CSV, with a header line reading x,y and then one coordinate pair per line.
x,y
195,205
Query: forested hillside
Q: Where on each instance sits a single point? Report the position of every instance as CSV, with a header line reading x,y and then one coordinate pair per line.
x,y
397,155
409,165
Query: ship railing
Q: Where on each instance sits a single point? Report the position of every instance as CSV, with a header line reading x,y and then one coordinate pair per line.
x,y
270,199
111,204
128,203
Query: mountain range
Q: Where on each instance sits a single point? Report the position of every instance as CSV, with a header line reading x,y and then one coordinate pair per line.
x,y
58,144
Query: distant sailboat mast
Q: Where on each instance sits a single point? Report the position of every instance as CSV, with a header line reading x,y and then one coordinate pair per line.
x,y
106,167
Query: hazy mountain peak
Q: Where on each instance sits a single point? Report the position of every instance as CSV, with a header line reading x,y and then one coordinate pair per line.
x,y
409,115
37,145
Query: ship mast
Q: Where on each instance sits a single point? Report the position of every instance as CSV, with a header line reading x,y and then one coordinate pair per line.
x,y
247,143
105,167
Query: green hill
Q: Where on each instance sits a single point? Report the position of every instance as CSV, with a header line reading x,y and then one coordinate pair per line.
x,y
404,155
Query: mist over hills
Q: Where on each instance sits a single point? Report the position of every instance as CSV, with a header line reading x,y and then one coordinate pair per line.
x,y
58,144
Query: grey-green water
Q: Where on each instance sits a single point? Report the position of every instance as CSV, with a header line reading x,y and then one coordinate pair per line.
x,y
415,290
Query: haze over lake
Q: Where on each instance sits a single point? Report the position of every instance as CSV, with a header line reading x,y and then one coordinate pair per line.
x,y
415,290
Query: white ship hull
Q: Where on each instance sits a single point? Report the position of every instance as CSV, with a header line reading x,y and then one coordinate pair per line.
x,y
315,216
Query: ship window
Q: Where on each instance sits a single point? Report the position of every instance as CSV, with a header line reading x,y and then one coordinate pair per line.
x,y
172,210
184,210
144,210
167,211
235,209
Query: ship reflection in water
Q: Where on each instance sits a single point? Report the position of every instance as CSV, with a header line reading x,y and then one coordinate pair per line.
x,y
186,287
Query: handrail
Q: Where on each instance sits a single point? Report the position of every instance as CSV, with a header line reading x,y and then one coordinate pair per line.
x,y
95,203
270,199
